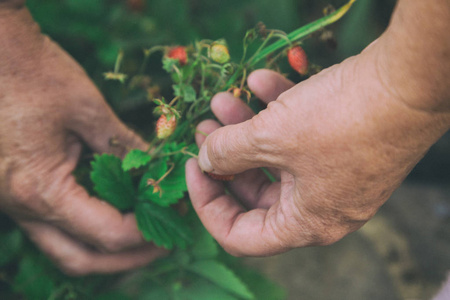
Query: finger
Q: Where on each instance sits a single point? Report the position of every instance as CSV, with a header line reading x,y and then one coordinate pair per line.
x,y
228,222
229,109
254,143
91,220
257,142
267,85
253,187
205,128
74,258
102,130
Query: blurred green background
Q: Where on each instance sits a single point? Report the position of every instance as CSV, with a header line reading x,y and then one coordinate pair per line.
x,y
93,30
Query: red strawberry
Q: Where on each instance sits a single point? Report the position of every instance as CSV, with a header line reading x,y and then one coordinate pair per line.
x,y
178,53
220,177
298,60
165,126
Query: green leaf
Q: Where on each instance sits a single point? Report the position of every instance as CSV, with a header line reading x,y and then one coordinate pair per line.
x,y
10,245
173,186
168,64
260,285
201,289
204,247
111,182
186,92
156,293
134,159
221,276
32,280
167,191
162,225
112,295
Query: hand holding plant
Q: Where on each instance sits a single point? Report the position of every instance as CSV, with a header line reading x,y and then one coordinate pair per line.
x,y
338,143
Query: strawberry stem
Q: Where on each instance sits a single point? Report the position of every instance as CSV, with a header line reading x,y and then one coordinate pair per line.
x,y
295,35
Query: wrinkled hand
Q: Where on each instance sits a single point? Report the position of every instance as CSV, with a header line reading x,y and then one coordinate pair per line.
x,y
48,108
339,144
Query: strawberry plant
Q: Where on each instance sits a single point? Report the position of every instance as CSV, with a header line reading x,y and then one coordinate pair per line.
x,y
151,182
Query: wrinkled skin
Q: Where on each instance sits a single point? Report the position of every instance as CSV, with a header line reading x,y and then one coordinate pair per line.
x,y
48,109
339,143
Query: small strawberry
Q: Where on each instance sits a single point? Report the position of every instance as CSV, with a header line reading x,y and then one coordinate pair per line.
x,y
219,53
220,177
165,126
178,53
298,60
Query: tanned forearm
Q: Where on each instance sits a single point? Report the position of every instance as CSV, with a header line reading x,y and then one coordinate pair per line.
x,y
20,39
417,60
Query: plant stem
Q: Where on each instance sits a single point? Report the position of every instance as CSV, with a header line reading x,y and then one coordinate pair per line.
x,y
296,35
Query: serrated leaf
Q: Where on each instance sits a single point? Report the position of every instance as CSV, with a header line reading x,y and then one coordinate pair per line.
x,y
166,192
201,289
162,225
134,159
189,94
222,276
186,92
173,186
168,64
111,182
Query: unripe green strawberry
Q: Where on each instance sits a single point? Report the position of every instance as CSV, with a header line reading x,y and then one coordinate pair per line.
x,y
298,60
165,126
219,53
178,53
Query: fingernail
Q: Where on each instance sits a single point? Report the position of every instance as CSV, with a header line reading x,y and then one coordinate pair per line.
x,y
203,160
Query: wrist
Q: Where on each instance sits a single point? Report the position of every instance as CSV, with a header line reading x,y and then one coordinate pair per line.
x,y
384,104
414,58
20,39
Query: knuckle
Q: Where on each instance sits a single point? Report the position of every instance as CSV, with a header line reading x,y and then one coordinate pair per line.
x,y
217,147
268,130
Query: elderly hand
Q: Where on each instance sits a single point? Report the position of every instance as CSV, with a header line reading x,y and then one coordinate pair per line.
x,y
48,109
338,143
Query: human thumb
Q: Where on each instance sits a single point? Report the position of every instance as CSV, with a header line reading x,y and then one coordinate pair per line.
x,y
251,144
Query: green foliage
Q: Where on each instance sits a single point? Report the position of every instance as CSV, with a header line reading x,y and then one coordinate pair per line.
x,y
162,225
220,275
205,247
261,286
201,289
134,159
187,93
111,182
169,184
11,242
31,280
